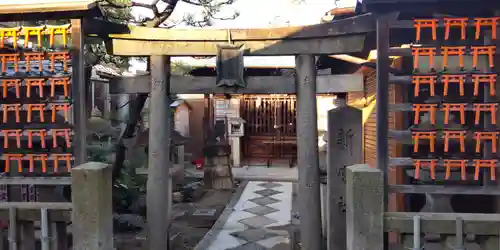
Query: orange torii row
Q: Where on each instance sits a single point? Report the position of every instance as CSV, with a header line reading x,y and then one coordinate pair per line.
x,y
478,164
31,57
459,51
460,135
458,22
39,107
42,158
489,79
477,108
39,83
42,134
38,32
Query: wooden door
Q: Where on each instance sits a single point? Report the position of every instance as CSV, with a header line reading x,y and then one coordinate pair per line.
x,y
270,130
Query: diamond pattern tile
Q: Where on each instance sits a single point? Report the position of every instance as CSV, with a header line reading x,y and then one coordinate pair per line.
x,y
252,235
261,210
264,201
269,185
268,192
257,221
249,246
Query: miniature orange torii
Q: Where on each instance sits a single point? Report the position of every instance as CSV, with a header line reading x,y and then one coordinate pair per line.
x,y
448,107
492,136
42,133
462,164
7,133
14,157
38,157
485,107
490,79
491,164
34,56
430,108
429,135
62,157
37,82
65,133
447,79
452,134
491,22
15,83
425,23
424,79
431,164
455,22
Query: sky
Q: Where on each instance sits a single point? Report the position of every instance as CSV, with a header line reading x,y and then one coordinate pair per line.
x,y
253,14
261,13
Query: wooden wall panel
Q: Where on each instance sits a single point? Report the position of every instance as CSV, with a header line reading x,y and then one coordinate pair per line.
x,y
367,98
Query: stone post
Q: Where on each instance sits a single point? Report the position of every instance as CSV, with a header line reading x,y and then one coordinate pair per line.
x,y
307,154
92,207
345,148
159,192
364,208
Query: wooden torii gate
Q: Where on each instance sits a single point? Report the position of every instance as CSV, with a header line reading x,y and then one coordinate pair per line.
x,y
339,37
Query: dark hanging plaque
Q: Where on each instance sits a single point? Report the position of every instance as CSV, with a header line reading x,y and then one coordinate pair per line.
x,y
230,66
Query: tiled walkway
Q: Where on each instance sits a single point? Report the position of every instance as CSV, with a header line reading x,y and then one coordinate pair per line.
x,y
261,208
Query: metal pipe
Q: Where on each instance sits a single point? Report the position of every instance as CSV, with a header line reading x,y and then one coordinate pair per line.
x,y
159,193
307,154
459,237
416,233
44,224
12,229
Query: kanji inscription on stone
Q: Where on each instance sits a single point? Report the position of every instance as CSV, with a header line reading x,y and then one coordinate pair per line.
x,y
344,149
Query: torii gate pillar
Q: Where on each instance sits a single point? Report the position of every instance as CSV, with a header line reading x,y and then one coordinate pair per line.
x,y
159,187
307,154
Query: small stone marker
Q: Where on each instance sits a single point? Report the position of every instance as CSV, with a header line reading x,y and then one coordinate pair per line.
x,y
92,207
365,208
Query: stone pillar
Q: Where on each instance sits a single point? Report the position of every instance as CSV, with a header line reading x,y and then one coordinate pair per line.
x,y
364,208
344,148
92,207
235,152
159,193
307,154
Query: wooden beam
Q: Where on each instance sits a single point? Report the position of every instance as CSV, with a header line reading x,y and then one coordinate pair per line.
x,y
443,223
34,215
46,6
329,45
350,26
338,37
49,10
41,181
37,205
255,85
440,189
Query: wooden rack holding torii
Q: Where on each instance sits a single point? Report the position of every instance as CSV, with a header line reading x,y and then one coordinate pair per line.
x,y
36,106
472,81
